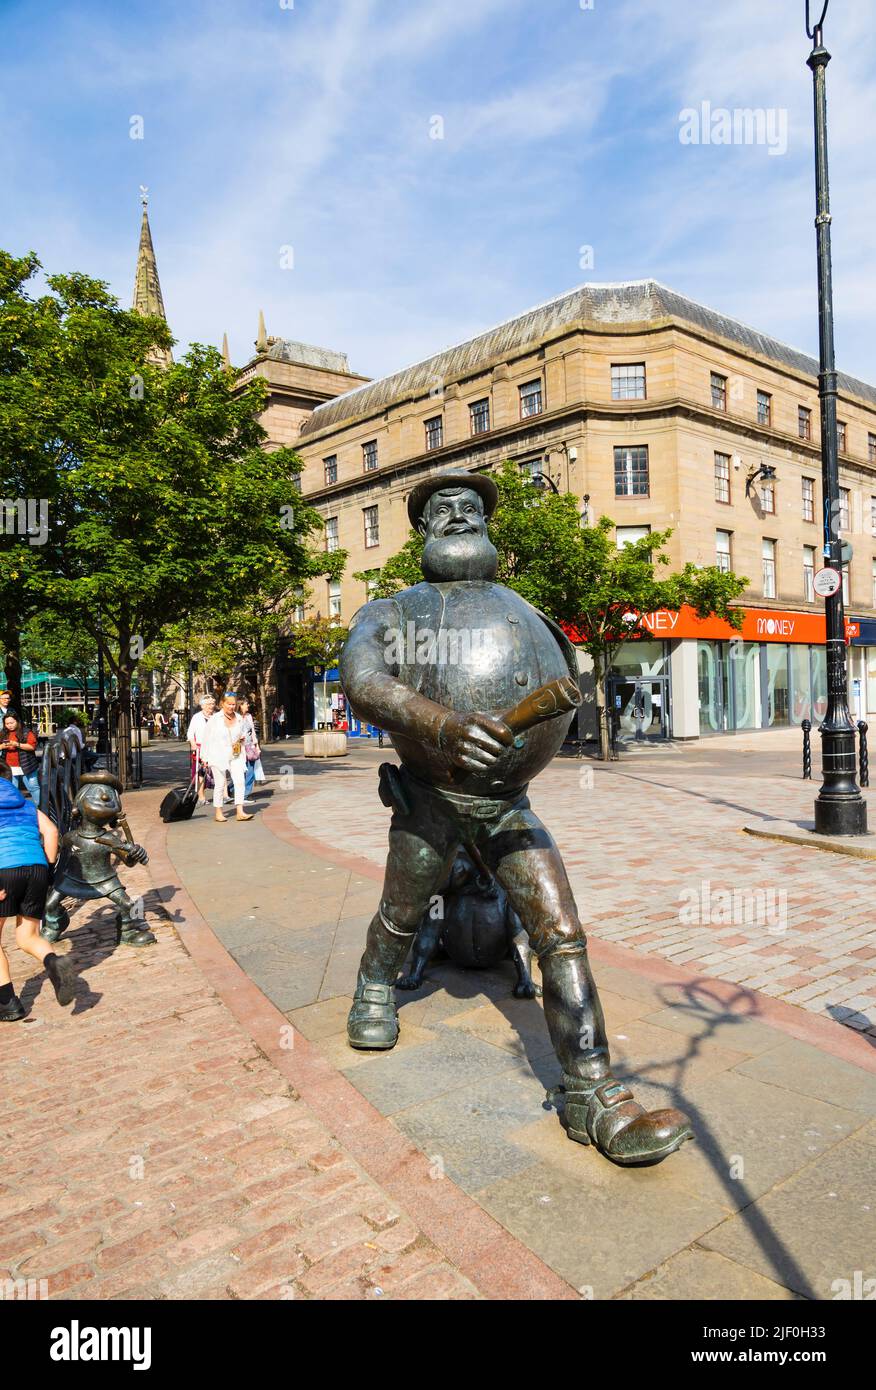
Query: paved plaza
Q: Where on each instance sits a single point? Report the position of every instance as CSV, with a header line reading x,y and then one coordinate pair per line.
x,y
196,1125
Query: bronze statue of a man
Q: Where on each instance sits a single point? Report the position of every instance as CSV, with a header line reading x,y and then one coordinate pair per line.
x,y
437,666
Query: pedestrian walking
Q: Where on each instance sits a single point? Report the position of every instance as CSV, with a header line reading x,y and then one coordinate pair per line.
x,y
19,750
224,751
251,749
5,698
174,723
28,844
195,735
279,722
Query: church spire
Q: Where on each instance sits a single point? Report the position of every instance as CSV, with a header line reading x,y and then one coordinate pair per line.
x,y
147,287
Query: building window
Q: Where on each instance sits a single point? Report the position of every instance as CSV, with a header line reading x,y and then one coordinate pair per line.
x,y
764,408
530,399
874,581
334,598
804,422
372,527
628,382
722,477
769,569
479,414
372,580
841,436
434,432
626,535
331,469
768,498
808,486
808,573
719,391
871,447
846,597
331,533
722,550
845,509
298,610
631,471
369,455
873,515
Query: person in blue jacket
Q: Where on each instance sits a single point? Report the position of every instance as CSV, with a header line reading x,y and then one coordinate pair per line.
x,y
28,844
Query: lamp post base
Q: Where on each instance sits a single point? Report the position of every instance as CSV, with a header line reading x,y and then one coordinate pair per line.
x,y
841,816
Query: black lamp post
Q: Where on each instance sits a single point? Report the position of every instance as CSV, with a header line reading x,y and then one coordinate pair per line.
x,y
840,808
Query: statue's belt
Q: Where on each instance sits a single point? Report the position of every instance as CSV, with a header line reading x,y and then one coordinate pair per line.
x,y
398,783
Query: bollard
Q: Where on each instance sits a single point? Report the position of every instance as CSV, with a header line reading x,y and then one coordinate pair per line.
x,y
865,759
807,751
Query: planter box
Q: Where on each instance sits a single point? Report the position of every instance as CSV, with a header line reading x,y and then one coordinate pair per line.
x,y
325,743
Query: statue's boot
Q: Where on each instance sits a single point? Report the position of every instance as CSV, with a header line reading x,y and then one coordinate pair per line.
x,y
56,918
599,1110
136,934
372,1023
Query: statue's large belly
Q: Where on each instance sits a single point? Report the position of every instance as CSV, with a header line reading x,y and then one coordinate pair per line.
x,y
489,650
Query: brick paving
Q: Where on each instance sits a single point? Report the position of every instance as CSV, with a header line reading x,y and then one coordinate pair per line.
x,y
658,861
151,1150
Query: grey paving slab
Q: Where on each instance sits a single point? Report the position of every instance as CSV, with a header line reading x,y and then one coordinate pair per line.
x,y
515,1025
704,1275
322,1020
804,1069
819,1227
467,1130
395,1080
602,1227
641,1050
750,1136
739,1032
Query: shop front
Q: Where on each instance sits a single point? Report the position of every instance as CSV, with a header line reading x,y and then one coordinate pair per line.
x,y
691,677
331,711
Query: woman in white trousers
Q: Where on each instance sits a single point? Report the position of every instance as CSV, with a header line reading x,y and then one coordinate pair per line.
x,y
224,752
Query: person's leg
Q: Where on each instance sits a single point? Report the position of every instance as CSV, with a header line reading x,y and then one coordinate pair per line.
x,y
59,969
218,793
249,779
523,856
422,844
33,785
10,1005
238,781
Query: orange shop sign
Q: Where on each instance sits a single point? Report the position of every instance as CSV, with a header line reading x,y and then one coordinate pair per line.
x,y
758,625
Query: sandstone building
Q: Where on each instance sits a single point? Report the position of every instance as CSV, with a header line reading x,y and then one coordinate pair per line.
x,y
653,410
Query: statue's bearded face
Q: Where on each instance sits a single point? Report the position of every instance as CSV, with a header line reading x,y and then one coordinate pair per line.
x,y
457,545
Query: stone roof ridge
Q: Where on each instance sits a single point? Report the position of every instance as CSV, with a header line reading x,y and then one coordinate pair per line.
x,y
621,301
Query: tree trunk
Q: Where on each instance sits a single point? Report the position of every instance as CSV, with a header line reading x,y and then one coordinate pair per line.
x,y
603,713
262,688
123,727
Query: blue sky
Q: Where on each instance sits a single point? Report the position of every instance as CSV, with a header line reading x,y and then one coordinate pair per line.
x,y
270,125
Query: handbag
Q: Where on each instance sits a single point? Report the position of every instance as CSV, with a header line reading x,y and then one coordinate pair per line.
x,y
253,752
259,771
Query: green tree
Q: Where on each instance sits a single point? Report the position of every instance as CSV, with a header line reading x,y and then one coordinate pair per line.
x,y
580,577
319,641
161,496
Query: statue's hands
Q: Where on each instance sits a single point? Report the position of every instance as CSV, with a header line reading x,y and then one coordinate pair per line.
x,y
137,855
473,741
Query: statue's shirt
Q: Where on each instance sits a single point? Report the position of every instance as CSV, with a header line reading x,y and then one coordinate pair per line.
x,y
476,647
